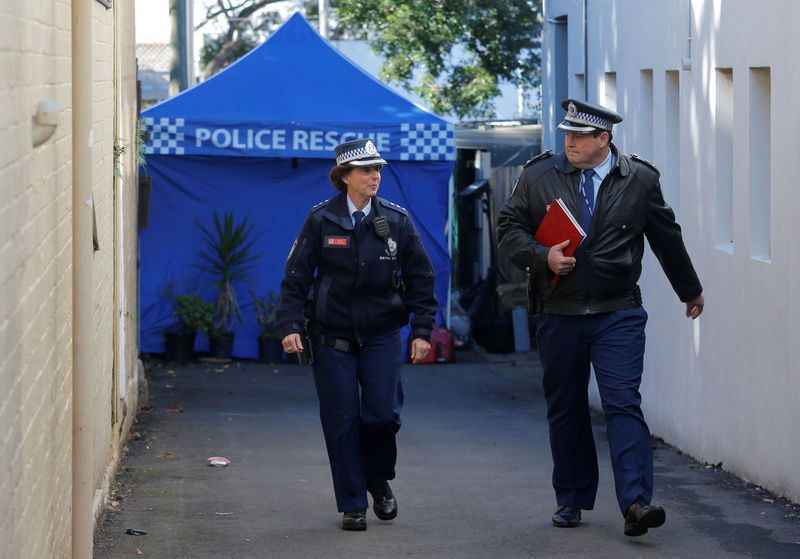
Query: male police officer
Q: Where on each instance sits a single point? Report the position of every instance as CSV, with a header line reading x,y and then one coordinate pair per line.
x,y
593,314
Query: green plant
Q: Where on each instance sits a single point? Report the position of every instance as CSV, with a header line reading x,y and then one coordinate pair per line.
x,y
228,255
193,313
142,137
121,147
119,150
266,315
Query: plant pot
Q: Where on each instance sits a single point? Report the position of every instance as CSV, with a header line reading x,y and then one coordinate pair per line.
x,y
179,346
270,350
221,345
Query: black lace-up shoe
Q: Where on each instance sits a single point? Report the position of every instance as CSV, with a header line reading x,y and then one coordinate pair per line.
x,y
641,516
384,504
355,520
567,517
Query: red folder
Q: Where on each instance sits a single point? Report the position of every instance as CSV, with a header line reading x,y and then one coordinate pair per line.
x,y
558,226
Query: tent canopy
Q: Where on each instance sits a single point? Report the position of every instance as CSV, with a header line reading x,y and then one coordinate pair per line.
x,y
295,96
258,139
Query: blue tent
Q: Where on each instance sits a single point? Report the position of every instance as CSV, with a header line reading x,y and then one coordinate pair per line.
x,y
258,139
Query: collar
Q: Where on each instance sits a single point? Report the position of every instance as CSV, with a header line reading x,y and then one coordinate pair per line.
x,y
605,167
562,164
351,207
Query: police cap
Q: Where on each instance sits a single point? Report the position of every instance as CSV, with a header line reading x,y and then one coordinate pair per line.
x,y
586,118
358,153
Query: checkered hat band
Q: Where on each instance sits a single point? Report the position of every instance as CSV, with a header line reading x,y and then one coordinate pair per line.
x,y
590,120
354,154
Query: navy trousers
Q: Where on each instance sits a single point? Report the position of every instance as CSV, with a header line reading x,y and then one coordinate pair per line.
x,y
614,344
360,399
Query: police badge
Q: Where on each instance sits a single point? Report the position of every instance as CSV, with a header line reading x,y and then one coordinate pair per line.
x,y
391,247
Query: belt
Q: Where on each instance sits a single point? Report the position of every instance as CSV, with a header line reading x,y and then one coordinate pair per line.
x,y
339,344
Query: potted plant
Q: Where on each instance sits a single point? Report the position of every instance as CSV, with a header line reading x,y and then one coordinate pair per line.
x,y
193,314
270,349
227,254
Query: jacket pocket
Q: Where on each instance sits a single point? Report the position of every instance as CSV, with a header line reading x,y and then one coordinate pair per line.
x,y
321,299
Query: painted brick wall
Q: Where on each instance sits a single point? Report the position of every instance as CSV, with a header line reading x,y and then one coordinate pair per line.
x,y
35,284
36,273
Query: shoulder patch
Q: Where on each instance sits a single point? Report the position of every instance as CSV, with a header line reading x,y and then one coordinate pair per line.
x,y
543,155
644,161
393,206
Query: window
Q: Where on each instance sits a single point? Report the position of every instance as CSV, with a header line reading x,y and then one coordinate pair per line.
x,y
645,116
610,92
723,158
671,175
760,174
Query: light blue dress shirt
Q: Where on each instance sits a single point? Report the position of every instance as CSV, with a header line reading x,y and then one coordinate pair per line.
x,y
601,171
351,207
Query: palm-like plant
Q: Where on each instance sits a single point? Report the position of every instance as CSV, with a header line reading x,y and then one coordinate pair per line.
x,y
228,255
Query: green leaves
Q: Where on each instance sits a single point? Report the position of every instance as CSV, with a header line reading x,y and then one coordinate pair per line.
x,y
228,255
496,39
266,314
193,313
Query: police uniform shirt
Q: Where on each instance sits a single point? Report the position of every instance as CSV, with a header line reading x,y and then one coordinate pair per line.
x,y
351,207
601,171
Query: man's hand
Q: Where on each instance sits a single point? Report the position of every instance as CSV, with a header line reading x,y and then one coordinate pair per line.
x,y
694,308
558,263
419,350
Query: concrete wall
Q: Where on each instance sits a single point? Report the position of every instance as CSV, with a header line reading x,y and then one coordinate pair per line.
x,y
36,289
716,115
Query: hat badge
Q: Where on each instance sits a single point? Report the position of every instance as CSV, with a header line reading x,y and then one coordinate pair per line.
x,y
572,110
370,147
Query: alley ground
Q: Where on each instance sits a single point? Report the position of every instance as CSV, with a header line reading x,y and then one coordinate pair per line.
x,y
473,476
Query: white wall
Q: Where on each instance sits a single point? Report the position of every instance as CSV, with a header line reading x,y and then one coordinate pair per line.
x,y
725,387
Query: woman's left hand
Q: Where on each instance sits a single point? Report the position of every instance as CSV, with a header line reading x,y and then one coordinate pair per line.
x,y
292,343
419,350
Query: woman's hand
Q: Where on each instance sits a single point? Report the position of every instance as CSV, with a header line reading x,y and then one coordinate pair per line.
x,y
292,343
419,350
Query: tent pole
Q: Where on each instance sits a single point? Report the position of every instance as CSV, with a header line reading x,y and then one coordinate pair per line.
x,y
323,18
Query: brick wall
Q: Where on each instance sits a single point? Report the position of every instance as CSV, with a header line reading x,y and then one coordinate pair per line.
x,y
36,275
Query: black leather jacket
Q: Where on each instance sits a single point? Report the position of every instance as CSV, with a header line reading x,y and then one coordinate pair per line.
x,y
346,286
629,207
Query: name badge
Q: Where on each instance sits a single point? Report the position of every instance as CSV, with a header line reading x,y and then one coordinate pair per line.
x,y
337,242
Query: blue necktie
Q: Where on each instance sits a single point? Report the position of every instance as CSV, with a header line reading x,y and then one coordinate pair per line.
x,y
358,221
587,195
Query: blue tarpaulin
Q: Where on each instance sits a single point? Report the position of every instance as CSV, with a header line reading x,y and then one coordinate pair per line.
x,y
258,139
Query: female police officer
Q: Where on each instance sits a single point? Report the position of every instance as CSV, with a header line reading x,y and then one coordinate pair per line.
x,y
371,272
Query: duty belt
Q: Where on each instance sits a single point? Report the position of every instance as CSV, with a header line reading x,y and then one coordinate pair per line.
x,y
339,344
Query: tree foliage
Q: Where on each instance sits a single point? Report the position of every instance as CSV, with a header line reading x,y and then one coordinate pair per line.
x,y
242,32
499,40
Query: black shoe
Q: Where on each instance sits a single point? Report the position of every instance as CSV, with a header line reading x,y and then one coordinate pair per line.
x,y
355,520
383,502
567,517
641,516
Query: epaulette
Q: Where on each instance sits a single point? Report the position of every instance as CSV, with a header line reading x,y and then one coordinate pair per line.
x,y
320,205
641,159
393,206
543,155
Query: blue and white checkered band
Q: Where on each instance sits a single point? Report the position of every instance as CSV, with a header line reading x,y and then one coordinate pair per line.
x,y
427,142
368,149
587,119
165,136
